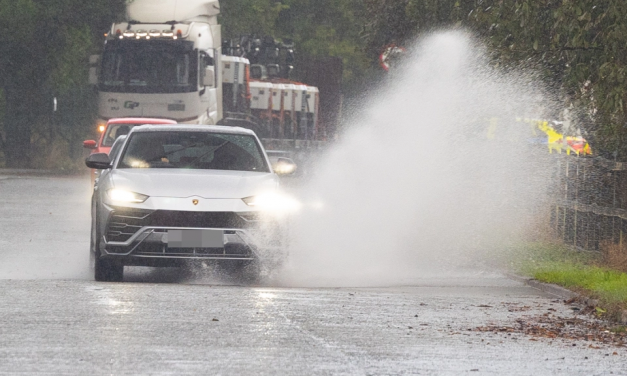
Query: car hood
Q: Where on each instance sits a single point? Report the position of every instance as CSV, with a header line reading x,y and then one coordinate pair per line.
x,y
209,184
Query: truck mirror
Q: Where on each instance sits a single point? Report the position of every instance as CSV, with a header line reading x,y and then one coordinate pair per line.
x,y
98,161
210,77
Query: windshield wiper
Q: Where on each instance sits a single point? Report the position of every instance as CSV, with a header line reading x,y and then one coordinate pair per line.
x,y
193,163
173,152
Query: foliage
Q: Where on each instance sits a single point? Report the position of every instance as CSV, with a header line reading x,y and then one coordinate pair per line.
x,y
580,44
319,28
245,17
44,49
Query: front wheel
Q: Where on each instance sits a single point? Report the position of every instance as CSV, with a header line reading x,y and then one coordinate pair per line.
x,y
93,249
248,272
108,270
94,252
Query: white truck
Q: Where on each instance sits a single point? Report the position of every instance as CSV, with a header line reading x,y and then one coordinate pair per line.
x,y
165,61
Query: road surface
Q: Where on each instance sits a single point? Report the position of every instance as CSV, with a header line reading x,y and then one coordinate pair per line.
x,y
55,320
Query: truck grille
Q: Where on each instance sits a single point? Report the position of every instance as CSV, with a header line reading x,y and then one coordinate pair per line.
x,y
124,223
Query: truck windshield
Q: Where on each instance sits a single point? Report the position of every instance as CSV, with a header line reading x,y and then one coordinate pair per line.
x,y
193,150
142,66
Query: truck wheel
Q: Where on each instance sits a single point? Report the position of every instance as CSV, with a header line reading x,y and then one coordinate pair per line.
x,y
108,270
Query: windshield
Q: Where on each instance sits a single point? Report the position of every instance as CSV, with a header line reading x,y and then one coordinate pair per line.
x,y
114,131
149,67
193,150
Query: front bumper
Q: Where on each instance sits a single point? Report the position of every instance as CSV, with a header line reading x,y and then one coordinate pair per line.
x,y
151,242
134,234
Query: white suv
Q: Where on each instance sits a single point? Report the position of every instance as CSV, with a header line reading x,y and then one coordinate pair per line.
x,y
181,192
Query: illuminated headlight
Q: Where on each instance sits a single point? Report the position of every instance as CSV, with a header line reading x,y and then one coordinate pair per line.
x,y
154,33
273,202
129,34
284,168
120,195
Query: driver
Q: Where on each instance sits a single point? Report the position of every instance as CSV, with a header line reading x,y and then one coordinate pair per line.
x,y
122,131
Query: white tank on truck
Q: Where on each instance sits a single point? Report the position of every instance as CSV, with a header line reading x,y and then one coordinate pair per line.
x,y
164,11
163,61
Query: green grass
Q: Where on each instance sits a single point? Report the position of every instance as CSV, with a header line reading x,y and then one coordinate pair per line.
x,y
607,285
576,270
619,329
528,258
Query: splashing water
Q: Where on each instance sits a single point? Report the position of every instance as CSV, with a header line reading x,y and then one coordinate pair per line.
x,y
421,182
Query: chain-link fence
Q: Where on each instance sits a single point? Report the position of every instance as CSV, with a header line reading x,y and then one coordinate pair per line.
x,y
590,207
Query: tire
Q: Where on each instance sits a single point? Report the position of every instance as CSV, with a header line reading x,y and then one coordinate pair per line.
x,y
104,270
108,270
93,250
248,272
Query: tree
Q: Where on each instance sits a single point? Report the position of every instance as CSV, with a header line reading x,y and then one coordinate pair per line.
x,y
580,46
319,28
43,45
326,28
246,17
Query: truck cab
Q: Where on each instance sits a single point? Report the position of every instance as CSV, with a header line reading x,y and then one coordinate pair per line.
x,y
164,62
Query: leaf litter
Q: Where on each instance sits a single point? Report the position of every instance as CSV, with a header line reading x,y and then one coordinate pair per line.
x,y
585,327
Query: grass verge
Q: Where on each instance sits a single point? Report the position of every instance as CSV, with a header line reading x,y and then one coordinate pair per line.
x,y
580,271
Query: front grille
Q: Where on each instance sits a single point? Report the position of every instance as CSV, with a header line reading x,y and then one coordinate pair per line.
x,y
167,218
229,251
126,222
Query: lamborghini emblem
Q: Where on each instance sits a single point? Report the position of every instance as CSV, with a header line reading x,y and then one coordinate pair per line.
x,y
195,202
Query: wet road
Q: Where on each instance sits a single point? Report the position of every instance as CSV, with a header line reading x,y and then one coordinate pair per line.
x,y
55,320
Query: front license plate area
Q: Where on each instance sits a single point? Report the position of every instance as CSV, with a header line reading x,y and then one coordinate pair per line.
x,y
195,239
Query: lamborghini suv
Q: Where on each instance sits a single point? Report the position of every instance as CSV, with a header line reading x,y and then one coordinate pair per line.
x,y
177,192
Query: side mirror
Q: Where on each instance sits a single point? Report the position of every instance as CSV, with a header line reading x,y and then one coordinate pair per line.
x,y
210,77
284,166
90,144
98,161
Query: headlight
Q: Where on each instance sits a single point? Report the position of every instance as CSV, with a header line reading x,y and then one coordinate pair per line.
x,y
274,202
121,195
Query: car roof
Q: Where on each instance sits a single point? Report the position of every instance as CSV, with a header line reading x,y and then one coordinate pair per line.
x,y
192,128
132,120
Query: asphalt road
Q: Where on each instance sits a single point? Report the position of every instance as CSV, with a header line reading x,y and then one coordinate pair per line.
x,y
55,320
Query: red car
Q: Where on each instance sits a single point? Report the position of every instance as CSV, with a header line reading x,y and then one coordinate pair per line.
x,y
116,128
